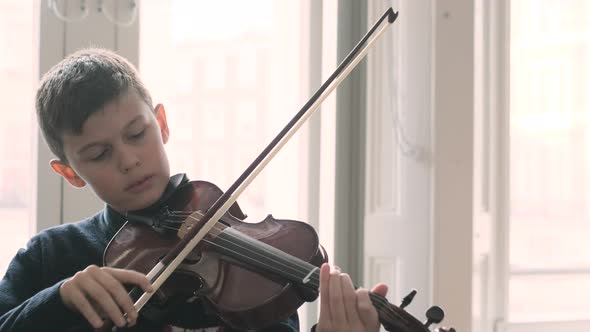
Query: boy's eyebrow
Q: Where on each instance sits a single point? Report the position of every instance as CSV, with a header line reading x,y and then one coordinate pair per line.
x,y
135,119
87,147
93,144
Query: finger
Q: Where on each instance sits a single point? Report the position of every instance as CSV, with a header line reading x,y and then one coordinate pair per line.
x,y
367,312
131,277
119,294
349,296
82,304
336,306
325,317
380,289
102,298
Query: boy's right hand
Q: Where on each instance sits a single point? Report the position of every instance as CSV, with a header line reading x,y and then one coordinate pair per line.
x,y
100,290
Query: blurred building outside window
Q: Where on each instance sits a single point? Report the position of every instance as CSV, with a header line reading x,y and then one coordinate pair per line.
x,y
17,86
550,161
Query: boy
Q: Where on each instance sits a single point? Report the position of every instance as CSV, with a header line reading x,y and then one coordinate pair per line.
x,y
97,118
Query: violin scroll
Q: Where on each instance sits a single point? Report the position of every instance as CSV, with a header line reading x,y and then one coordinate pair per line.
x,y
396,319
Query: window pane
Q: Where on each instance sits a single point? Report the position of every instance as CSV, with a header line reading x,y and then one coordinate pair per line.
x,y
550,160
228,73
17,79
230,81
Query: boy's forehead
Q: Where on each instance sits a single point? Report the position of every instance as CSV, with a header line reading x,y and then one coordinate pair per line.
x,y
111,119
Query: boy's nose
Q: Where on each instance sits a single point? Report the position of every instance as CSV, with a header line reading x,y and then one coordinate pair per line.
x,y
129,162
127,168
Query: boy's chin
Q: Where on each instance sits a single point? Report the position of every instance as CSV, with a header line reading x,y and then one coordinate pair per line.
x,y
140,201
141,205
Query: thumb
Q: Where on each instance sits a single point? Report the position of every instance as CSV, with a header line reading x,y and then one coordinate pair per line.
x,y
380,289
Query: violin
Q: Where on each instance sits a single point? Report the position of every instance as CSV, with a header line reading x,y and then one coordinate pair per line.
x,y
273,265
245,271
250,275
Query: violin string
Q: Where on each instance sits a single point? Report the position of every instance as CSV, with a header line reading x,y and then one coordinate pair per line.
x,y
296,277
218,245
299,273
250,255
301,267
380,302
298,265
314,282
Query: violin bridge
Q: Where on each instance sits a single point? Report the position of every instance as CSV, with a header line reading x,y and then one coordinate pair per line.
x,y
187,225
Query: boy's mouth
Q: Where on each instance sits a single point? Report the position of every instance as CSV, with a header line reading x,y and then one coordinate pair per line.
x,y
139,185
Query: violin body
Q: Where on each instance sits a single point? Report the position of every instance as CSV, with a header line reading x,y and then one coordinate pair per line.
x,y
243,296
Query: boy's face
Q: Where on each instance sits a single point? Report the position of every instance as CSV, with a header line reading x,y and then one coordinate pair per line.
x,y
120,154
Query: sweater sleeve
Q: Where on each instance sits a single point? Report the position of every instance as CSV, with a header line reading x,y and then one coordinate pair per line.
x,y
26,304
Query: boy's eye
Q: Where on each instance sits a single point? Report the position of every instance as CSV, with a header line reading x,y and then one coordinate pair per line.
x,y
100,156
138,135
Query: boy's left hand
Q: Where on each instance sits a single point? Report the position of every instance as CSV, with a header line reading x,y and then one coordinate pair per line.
x,y
344,309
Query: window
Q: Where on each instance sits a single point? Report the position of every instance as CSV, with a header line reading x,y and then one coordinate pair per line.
x,y
229,83
550,161
17,77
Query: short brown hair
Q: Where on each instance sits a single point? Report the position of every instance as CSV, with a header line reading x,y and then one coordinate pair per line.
x,y
79,86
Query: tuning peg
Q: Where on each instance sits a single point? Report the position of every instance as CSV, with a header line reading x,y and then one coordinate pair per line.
x,y
408,299
434,315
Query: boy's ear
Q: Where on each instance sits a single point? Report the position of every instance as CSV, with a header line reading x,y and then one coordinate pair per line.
x,y
162,122
67,172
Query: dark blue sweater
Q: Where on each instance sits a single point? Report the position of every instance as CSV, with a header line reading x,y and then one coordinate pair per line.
x,y
29,291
